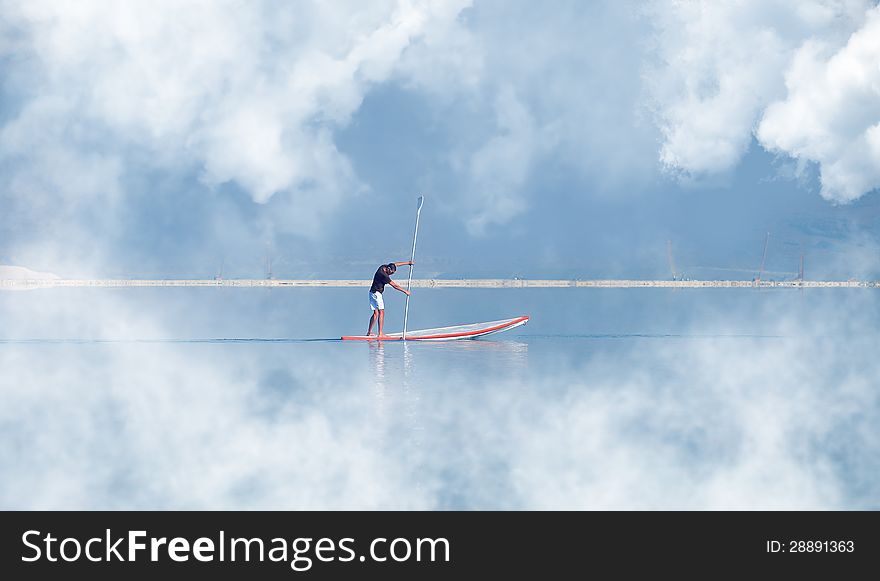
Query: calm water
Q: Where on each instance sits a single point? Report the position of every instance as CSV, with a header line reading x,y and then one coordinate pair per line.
x,y
632,398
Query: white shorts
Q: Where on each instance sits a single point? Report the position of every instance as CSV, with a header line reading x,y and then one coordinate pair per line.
x,y
376,302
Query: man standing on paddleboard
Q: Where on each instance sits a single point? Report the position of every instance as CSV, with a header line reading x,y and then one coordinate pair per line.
x,y
377,305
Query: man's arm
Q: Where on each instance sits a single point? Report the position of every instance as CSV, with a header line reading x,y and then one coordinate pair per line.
x,y
398,287
405,263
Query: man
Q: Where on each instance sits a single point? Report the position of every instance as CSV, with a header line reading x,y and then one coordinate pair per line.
x,y
377,305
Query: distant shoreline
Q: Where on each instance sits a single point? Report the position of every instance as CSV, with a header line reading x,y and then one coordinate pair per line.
x,y
24,284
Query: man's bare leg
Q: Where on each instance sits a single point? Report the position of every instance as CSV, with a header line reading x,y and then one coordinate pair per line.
x,y
381,322
372,320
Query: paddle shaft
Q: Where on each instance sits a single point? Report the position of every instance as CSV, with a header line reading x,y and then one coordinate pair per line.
x,y
412,258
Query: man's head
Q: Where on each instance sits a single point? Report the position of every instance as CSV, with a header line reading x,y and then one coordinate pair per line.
x,y
390,268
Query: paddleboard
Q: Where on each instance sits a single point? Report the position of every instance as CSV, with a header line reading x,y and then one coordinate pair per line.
x,y
471,331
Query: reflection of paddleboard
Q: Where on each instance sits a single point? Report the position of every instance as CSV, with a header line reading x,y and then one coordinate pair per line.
x,y
471,331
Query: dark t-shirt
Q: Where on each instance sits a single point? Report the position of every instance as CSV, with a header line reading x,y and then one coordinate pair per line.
x,y
380,279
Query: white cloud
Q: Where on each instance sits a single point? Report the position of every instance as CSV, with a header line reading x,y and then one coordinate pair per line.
x,y
499,168
718,65
249,92
51,173
448,59
535,88
831,113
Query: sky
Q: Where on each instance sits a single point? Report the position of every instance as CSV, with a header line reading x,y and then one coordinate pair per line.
x,y
562,139
187,139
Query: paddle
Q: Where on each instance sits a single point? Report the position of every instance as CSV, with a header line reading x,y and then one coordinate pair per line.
x,y
412,258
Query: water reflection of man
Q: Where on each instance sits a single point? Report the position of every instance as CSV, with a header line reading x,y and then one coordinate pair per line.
x,y
377,358
377,304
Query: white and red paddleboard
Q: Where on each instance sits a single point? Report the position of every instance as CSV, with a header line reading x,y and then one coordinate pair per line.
x,y
471,331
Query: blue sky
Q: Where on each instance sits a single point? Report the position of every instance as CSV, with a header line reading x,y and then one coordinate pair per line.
x,y
168,139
